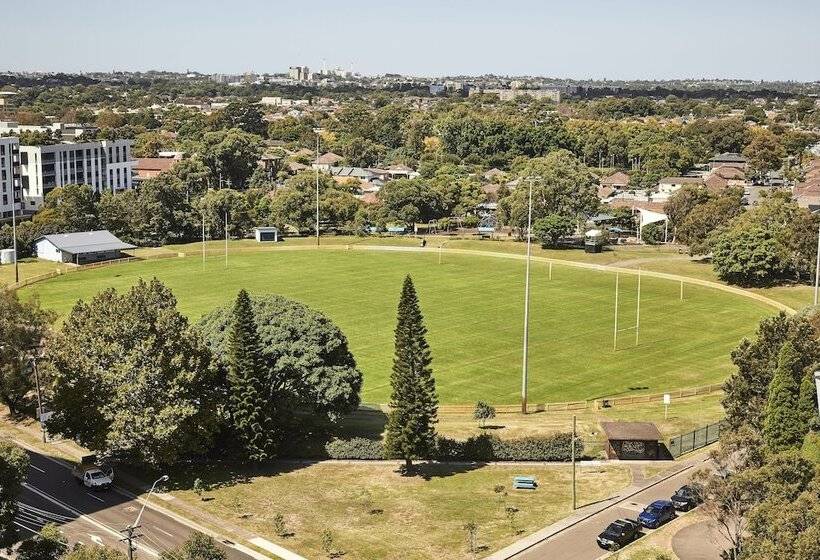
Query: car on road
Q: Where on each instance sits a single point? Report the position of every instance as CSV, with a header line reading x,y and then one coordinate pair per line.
x,y
619,533
687,497
92,475
657,513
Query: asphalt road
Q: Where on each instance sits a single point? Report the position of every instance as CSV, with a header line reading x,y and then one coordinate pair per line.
x,y
51,494
578,542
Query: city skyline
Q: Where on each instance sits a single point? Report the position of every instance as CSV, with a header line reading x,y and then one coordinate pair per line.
x,y
735,40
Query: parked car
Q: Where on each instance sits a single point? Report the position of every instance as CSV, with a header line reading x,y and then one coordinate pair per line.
x,y
619,534
687,497
657,513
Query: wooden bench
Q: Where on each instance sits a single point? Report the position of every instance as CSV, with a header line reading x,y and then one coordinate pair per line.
x,y
524,483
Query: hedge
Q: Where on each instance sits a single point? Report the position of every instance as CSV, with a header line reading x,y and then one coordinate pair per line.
x,y
483,448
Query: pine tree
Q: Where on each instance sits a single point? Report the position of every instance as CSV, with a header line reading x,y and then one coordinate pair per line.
x,y
413,403
807,403
783,427
247,384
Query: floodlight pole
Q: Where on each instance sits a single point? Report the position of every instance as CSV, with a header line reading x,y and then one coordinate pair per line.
x,y
226,239
638,310
816,267
527,305
317,131
574,431
203,239
615,334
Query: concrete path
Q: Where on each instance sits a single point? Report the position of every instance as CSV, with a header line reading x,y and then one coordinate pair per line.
x,y
701,541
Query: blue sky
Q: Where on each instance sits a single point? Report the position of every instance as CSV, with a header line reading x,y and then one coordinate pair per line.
x,y
652,39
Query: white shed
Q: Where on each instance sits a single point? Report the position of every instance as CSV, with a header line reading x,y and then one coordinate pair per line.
x,y
80,248
264,234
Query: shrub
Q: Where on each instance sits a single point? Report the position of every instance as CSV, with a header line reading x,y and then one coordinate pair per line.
x,y
485,448
355,448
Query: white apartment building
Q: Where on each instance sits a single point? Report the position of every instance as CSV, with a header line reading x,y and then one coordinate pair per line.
x,y
10,183
104,166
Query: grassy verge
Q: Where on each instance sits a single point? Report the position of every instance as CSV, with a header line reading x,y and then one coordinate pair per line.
x,y
375,512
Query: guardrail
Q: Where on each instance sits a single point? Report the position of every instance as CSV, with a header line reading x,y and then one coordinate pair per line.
x,y
696,439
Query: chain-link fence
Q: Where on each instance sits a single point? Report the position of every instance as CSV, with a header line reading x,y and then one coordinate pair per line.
x,y
701,437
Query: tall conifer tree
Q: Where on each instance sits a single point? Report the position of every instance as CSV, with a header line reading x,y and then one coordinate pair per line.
x,y
413,403
783,426
246,379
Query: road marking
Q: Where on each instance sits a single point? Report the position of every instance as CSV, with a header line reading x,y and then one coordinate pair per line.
x,y
95,497
166,533
37,468
24,527
95,539
85,517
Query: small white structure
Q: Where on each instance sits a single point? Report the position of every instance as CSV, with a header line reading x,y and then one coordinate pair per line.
x,y
264,234
7,256
80,248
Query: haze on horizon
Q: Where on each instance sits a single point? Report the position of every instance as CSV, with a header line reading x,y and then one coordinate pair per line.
x,y
629,39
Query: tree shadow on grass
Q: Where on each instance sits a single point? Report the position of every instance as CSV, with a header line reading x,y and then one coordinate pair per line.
x,y
430,470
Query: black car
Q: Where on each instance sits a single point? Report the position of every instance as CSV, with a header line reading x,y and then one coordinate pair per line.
x,y
686,497
619,534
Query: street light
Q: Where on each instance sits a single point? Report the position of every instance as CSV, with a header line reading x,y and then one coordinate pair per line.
x,y
524,365
129,531
317,131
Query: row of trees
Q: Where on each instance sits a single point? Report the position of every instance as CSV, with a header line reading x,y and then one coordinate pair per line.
x,y
763,491
132,379
772,241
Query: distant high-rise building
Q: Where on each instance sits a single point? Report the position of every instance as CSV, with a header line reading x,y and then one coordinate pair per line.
x,y
299,73
104,166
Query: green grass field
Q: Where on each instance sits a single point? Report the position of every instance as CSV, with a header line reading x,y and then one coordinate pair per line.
x,y
473,309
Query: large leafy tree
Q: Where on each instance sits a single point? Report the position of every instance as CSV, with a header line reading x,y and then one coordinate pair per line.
x,y
68,209
307,363
764,152
132,379
245,116
702,220
746,256
409,201
561,184
13,466
247,381
232,155
215,205
48,544
410,432
23,327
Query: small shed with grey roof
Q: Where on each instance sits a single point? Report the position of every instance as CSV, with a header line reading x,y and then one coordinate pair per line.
x,y
632,440
81,248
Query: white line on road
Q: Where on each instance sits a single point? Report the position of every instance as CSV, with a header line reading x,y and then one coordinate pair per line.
x,y
24,527
166,533
83,516
95,497
37,468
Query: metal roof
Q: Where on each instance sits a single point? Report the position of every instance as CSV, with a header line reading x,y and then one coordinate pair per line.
x,y
631,431
87,242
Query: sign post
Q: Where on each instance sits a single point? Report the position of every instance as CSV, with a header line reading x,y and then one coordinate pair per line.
x,y
667,399
817,384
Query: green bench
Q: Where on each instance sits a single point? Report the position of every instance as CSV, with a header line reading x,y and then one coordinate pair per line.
x,y
524,483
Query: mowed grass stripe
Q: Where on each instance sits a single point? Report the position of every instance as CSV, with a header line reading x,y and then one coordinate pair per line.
x,y
473,306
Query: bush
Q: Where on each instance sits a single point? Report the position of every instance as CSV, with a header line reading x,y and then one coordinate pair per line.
x,y
652,234
355,448
480,449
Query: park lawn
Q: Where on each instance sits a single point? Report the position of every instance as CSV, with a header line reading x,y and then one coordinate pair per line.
x,y
374,512
29,268
473,311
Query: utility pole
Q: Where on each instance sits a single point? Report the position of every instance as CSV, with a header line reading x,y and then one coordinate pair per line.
x,y
226,239
317,131
203,240
615,335
574,424
524,371
638,310
129,538
39,397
